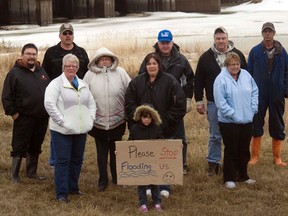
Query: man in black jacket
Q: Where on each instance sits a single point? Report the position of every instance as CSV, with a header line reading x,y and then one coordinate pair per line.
x,y
177,65
52,62
209,66
23,99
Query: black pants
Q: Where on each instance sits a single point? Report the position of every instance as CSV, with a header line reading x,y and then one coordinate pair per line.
x,y
105,147
28,135
236,139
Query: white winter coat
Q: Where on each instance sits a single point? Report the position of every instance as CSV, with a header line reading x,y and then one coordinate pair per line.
x,y
71,111
108,86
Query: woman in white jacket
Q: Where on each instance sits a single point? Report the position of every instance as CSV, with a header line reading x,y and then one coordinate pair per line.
x,y
108,83
72,110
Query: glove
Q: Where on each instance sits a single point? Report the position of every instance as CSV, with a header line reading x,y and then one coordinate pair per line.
x,y
188,105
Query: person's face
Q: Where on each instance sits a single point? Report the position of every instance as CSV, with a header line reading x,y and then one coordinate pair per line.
x,y
165,48
67,37
221,41
233,67
146,120
105,61
268,34
152,68
29,57
70,69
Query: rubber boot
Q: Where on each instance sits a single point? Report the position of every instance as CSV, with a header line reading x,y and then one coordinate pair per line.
x,y
255,150
16,164
31,167
276,148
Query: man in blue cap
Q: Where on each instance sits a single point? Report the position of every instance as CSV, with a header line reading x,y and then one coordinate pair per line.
x,y
178,66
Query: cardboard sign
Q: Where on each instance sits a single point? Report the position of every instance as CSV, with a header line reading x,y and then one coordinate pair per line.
x,y
144,162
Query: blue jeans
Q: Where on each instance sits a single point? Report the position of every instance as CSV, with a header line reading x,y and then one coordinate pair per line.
x,y
143,197
69,150
214,145
52,155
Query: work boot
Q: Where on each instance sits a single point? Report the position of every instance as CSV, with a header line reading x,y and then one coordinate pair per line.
x,y
16,164
276,148
255,150
213,169
31,167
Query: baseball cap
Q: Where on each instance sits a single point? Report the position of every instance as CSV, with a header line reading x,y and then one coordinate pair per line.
x,y
268,25
66,27
220,30
165,36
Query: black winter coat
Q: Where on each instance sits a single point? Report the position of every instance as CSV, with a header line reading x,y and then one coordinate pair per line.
x,y
52,62
179,67
206,72
143,132
24,90
165,94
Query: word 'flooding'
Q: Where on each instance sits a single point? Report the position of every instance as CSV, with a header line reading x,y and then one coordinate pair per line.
x,y
130,167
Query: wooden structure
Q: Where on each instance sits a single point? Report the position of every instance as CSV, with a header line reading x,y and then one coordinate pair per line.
x,y
45,12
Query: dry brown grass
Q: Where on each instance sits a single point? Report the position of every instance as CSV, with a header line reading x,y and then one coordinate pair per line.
x,y
199,195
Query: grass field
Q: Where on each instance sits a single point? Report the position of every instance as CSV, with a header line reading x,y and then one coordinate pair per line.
x,y
199,195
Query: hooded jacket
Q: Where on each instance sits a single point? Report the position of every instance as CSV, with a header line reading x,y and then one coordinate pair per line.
x,y
164,94
108,86
179,67
23,91
208,69
139,131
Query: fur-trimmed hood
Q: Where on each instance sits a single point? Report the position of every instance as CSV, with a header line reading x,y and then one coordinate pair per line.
x,y
146,108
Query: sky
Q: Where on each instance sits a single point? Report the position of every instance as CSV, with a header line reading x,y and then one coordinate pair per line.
x,y
243,23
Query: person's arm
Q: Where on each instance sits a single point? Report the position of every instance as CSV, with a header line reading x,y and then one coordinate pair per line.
x,y
9,96
189,86
46,64
199,84
50,102
219,91
131,102
177,109
285,56
254,96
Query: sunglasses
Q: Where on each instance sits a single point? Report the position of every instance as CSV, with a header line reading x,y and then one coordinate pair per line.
x,y
67,33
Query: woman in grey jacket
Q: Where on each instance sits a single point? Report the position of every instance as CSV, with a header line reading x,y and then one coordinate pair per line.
x,y
108,83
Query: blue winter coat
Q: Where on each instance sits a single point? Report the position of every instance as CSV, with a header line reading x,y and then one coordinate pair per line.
x,y
274,82
237,101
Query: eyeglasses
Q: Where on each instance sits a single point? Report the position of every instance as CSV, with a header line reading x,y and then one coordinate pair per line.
x,y
67,33
70,66
30,54
234,65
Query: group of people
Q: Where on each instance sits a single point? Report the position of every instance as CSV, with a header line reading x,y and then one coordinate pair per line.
x,y
238,96
78,96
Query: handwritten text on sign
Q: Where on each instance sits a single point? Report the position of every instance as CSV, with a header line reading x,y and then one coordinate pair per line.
x,y
143,162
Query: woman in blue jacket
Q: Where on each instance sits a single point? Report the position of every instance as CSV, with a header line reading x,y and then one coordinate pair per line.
x,y
236,97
